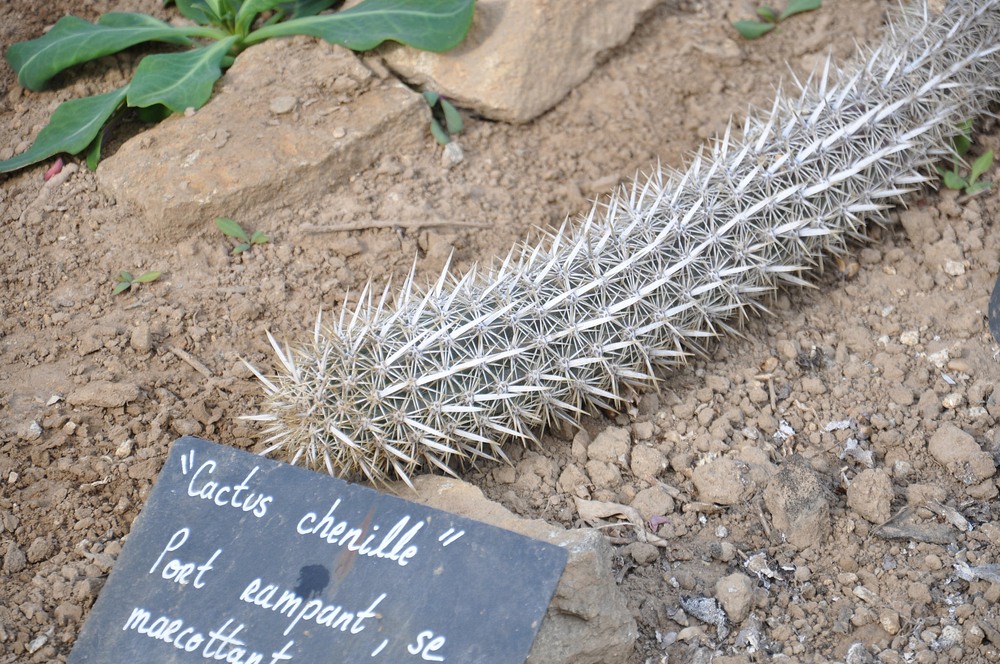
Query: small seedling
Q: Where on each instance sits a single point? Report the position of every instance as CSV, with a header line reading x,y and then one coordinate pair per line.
x,y
770,18
231,228
446,121
953,179
125,280
217,31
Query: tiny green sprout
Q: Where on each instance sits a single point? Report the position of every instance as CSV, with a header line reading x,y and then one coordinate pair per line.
x,y
770,18
231,228
953,179
125,280
446,121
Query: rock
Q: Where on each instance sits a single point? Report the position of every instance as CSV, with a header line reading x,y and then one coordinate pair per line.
x,y
40,549
735,594
14,559
610,446
588,621
723,481
521,57
870,495
188,170
653,501
647,462
141,338
797,502
104,394
960,453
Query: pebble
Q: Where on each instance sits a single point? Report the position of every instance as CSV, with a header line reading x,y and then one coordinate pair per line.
x,y
797,502
452,155
283,104
40,549
653,501
870,495
909,338
960,453
647,462
141,339
723,481
610,446
14,559
643,553
952,400
104,394
735,594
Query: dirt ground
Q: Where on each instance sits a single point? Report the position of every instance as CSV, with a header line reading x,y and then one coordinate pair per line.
x,y
856,375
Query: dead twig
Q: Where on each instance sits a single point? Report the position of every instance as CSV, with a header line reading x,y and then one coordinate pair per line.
x,y
386,223
195,364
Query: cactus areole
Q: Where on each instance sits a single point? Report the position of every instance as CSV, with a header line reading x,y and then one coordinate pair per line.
x,y
419,377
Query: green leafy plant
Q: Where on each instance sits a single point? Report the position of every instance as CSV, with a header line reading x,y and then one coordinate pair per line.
x,y
173,82
232,228
446,121
770,18
970,183
124,281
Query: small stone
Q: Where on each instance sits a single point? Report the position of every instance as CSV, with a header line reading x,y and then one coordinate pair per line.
x,y
735,594
30,431
104,394
610,446
40,549
643,553
643,430
798,505
961,454
952,400
653,501
889,621
909,338
647,462
283,104
954,268
14,559
141,339
870,495
723,481
452,155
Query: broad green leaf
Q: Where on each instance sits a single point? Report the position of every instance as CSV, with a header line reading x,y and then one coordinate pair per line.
x,y
73,40
768,14
953,180
94,150
962,144
259,237
431,97
798,6
980,165
125,276
195,10
248,12
453,119
439,134
752,29
147,277
231,228
977,187
429,25
72,128
300,8
240,248
178,80
121,287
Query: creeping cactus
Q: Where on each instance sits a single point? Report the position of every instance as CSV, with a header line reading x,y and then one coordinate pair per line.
x,y
421,377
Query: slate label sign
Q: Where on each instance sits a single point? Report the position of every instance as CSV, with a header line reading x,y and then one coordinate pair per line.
x,y
241,559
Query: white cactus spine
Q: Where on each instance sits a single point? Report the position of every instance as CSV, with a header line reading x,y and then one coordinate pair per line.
x,y
582,318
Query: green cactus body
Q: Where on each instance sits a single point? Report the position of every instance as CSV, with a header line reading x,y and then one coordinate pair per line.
x,y
581,319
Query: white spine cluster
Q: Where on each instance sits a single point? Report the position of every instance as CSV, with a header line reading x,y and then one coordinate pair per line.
x,y
576,322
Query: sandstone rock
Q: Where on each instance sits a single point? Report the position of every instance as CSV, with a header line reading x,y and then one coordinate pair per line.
x,y
588,621
14,559
104,394
190,169
797,502
870,495
521,57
